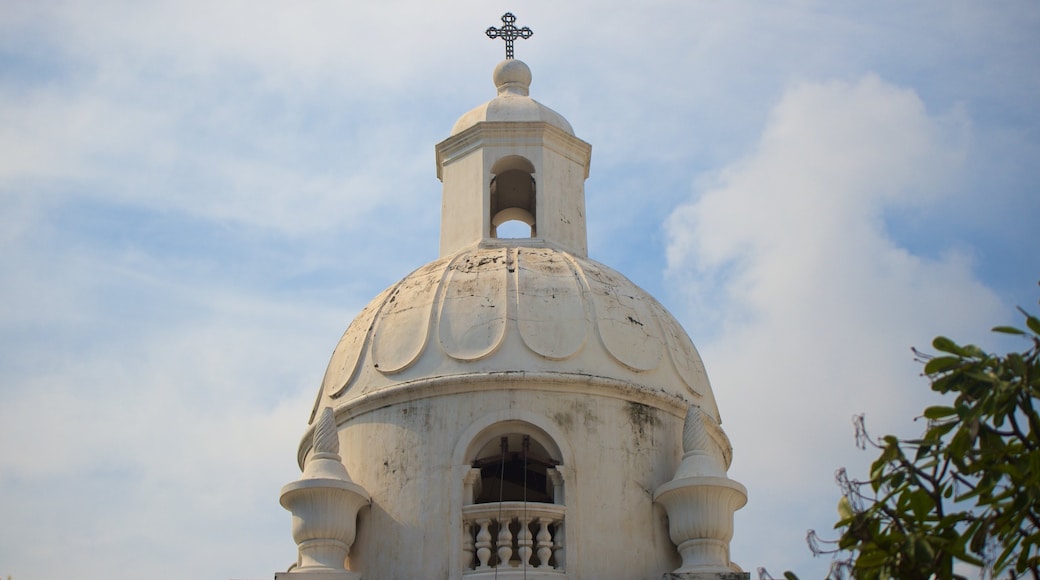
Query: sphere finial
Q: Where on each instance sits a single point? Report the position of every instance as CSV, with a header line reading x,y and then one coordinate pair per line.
x,y
512,77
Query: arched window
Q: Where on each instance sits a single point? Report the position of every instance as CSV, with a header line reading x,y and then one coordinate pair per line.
x,y
514,468
513,512
513,198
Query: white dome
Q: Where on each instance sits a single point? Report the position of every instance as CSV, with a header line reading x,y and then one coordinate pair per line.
x,y
513,103
516,312
521,339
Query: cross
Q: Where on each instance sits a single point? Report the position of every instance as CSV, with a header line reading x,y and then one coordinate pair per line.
x,y
509,33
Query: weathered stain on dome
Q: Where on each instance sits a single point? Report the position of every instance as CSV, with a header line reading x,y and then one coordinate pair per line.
x,y
552,310
403,325
473,307
629,329
504,309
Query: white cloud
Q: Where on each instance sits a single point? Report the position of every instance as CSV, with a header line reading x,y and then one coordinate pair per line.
x,y
808,307
163,439
233,165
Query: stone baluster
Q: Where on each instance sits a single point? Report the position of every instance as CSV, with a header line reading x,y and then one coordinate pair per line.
x,y
505,542
512,535
558,546
524,541
544,543
467,545
483,544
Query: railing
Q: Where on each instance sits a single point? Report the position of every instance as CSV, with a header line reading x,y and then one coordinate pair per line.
x,y
513,536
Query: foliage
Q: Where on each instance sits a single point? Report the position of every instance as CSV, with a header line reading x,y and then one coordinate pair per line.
x,y
968,490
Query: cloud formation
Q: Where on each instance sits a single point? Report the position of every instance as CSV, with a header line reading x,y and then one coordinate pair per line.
x,y
804,306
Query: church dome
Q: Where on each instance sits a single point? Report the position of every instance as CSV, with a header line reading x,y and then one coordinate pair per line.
x,y
513,406
522,313
513,103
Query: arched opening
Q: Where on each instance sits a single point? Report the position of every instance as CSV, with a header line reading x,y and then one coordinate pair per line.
x,y
513,222
514,468
513,194
513,501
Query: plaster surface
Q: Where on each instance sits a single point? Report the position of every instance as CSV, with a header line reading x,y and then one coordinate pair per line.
x,y
413,458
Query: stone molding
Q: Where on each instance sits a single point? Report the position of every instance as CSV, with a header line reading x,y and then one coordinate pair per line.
x,y
551,382
513,134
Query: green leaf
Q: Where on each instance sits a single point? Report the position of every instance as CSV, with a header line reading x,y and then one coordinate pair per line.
x,y
845,510
941,364
940,429
970,484
939,412
1034,323
921,503
946,345
973,351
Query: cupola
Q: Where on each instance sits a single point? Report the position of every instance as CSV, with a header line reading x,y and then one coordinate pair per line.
x,y
513,159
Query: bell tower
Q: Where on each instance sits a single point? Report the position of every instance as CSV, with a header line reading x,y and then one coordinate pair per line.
x,y
513,158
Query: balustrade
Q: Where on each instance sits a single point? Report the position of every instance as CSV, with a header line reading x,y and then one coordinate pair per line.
x,y
528,538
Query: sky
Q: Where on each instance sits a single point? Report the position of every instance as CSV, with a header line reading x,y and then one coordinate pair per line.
x,y
196,198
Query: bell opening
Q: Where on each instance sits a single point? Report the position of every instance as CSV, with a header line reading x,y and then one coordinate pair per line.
x,y
513,198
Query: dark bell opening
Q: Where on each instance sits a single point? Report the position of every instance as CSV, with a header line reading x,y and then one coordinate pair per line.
x,y
515,475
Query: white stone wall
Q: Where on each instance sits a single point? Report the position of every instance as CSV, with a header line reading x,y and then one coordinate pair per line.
x,y
616,453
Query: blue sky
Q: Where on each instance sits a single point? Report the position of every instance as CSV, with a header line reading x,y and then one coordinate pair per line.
x,y
197,198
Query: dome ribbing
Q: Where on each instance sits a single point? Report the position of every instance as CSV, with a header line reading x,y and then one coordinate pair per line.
x,y
507,309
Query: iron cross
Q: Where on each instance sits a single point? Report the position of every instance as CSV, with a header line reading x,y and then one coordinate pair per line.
x,y
509,33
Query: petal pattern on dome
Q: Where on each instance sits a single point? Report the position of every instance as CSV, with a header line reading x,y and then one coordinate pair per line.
x,y
344,363
551,313
403,329
625,322
684,355
555,312
472,320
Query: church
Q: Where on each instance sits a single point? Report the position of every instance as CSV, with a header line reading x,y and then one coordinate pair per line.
x,y
513,409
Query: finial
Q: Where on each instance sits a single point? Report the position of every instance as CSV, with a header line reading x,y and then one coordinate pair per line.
x,y
702,434
695,436
512,76
326,438
509,33
324,503
325,462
